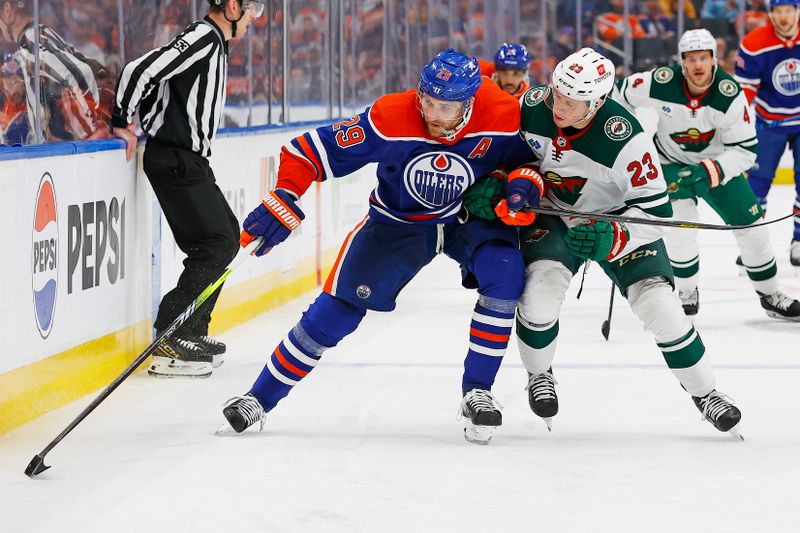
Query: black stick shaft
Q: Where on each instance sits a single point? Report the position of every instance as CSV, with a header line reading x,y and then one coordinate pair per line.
x,y
37,463
649,222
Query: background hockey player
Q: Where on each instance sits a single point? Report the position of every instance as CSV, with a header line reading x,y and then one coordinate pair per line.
x,y
430,145
511,63
595,158
768,68
705,136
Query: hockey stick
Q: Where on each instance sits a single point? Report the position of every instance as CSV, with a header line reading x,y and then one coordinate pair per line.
x,y
37,466
605,329
646,221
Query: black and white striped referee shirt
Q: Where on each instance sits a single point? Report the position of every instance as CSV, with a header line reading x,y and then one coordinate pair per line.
x,y
179,89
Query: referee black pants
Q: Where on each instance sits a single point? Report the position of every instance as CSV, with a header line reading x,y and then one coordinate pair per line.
x,y
203,225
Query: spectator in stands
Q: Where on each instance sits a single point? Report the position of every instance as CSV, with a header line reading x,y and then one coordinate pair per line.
x,y
670,8
68,83
564,44
14,125
756,16
655,23
728,63
721,9
611,25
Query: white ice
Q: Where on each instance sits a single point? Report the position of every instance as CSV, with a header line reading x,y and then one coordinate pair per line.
x,y
369,442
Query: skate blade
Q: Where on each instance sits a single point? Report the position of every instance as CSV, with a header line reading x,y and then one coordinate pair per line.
x,y
162,367
548,421
478,434
225,430
773,314
736,432
159,375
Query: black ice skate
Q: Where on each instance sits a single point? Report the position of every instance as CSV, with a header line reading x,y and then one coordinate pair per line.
x,y
720,411
542,396
794,253
481,414
179,357
740,266
778,305
243,411
212,346
690,300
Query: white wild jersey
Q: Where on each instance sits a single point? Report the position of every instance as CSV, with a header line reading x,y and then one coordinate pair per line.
x,y
717,125
611,166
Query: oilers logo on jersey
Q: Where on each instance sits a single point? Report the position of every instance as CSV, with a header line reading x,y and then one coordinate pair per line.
x,y
436,179
786,77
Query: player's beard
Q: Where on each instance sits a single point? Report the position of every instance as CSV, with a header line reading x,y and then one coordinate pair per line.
x,y
787,32
701,83
438,128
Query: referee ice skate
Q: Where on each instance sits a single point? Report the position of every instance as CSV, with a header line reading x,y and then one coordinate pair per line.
x,y
179,92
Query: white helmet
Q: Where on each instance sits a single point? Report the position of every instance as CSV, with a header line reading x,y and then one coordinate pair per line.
x,y
694,40
697,40
584,75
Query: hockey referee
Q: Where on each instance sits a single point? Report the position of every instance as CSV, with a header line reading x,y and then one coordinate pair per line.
x,y
179,92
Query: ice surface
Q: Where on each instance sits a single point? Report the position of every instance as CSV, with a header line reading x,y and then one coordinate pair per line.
x,y
369,441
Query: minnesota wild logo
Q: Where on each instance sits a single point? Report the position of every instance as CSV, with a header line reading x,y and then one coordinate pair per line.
x,y
693,140
568,190
534,95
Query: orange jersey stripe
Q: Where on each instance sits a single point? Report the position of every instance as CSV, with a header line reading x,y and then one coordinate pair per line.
x,y
309,153
337,265
488,336
289,366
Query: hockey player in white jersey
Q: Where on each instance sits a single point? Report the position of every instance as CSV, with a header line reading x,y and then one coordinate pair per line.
x,y
595,158
706,138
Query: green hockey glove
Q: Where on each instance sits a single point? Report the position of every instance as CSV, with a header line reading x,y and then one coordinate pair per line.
x,y
486,193
598,241
701,177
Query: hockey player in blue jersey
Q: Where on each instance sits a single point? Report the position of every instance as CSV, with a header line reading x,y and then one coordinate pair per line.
x,y
768,69
430,145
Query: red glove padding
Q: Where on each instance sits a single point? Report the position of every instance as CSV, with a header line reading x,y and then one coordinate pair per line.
x,y
274,219
525,188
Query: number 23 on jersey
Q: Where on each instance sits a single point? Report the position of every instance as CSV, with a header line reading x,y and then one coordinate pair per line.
x,y
646,166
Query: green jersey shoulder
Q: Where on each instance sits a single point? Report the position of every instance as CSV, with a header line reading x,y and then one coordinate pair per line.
x,y
611,129
668,85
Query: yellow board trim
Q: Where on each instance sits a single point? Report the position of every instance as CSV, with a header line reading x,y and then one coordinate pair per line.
x,y
38,388
784,176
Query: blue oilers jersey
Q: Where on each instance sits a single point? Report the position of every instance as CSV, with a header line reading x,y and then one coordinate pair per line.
x,y
768,69
421,179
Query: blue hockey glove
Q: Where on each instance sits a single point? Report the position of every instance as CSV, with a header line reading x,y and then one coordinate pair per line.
x,y
274,219
525,188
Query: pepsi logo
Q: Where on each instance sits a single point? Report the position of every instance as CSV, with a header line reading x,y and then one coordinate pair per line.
x,y
44,258
786,77
437,179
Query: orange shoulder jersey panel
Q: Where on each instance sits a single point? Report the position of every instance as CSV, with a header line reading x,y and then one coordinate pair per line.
x,y
522,89
494,110
760,38
487,68
396,115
